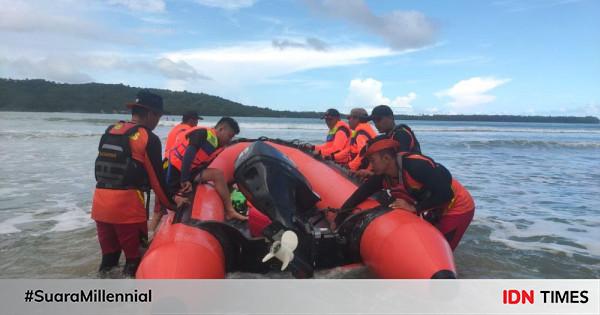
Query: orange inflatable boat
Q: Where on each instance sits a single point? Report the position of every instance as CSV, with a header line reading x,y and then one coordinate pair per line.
x,y
307,231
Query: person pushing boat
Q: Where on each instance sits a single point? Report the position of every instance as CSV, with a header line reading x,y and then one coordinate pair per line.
x,y
192,153
419,185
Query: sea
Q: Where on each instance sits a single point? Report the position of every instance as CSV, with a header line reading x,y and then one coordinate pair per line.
x,y
536,187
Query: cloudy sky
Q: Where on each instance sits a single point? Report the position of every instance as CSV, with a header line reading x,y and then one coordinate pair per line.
x,y
488,56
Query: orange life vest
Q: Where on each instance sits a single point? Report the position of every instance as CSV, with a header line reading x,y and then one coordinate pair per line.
x,y
333,144
204,155
363,129
121,201
115,166
414,145
340,126
171,138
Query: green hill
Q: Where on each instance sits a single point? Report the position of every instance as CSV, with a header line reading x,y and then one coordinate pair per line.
x,y
45,96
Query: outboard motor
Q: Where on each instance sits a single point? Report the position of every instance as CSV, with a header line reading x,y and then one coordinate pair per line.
x,y
275,187
273,184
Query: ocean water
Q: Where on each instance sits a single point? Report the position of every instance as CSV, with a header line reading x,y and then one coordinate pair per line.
x,y
536,186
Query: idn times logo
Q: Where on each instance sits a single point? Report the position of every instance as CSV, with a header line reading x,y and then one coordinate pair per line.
x,y
514,296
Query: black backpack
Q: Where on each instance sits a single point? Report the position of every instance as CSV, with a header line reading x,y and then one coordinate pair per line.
x,y
115,167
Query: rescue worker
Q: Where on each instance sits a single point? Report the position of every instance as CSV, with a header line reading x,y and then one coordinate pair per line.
x,y
383,117
419,185
193,151
358,120
338,136
128,164
188,120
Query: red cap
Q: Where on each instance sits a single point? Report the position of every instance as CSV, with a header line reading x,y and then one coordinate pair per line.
x,y
382,144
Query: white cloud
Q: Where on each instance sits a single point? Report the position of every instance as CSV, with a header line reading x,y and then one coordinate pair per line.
x,y
368,93
255,62
79,69
401,29
227,4
471,92
141,5
32,17
52,68
177,70
53,25
403,102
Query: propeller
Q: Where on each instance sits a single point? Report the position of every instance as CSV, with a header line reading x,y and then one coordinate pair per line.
x,y
283,249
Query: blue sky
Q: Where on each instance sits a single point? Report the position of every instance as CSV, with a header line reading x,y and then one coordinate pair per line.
x,y
494,57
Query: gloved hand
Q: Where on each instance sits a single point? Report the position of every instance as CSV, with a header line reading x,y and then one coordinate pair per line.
x,y
307,147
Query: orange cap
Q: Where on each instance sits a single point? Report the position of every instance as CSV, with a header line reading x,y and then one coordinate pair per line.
x,y
380,145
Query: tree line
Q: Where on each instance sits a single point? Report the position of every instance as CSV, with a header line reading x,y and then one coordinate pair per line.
x,y
44,96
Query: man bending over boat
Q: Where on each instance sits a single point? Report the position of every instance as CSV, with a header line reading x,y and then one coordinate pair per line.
x,y
188,120
419,185
192,153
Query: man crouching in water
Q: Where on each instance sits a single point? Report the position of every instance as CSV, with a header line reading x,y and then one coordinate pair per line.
x,y
193,151
419,185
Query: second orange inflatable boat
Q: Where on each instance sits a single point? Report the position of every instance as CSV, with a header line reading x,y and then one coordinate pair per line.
x,y
301,196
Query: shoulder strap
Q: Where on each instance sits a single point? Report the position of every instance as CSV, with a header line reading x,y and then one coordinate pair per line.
x,y
364,133
403,126
345,130
134,129
399,162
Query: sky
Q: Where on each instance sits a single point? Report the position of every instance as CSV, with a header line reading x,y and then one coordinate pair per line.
x,y
533,57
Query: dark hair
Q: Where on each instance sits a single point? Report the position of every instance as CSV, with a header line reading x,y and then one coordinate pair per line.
x,y
231,123
390,152
187,116
139,111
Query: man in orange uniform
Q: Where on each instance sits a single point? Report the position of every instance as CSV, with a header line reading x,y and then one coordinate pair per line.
x,y
193,151
419,185
362,132
189,120
128,164
338,136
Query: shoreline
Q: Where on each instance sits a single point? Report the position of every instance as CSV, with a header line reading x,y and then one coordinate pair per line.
x,y
584,120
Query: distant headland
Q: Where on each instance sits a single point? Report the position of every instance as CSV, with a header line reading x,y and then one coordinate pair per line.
x,y
45,96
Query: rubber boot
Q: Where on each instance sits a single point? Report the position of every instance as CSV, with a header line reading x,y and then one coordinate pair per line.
x,y
131,266
109,261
